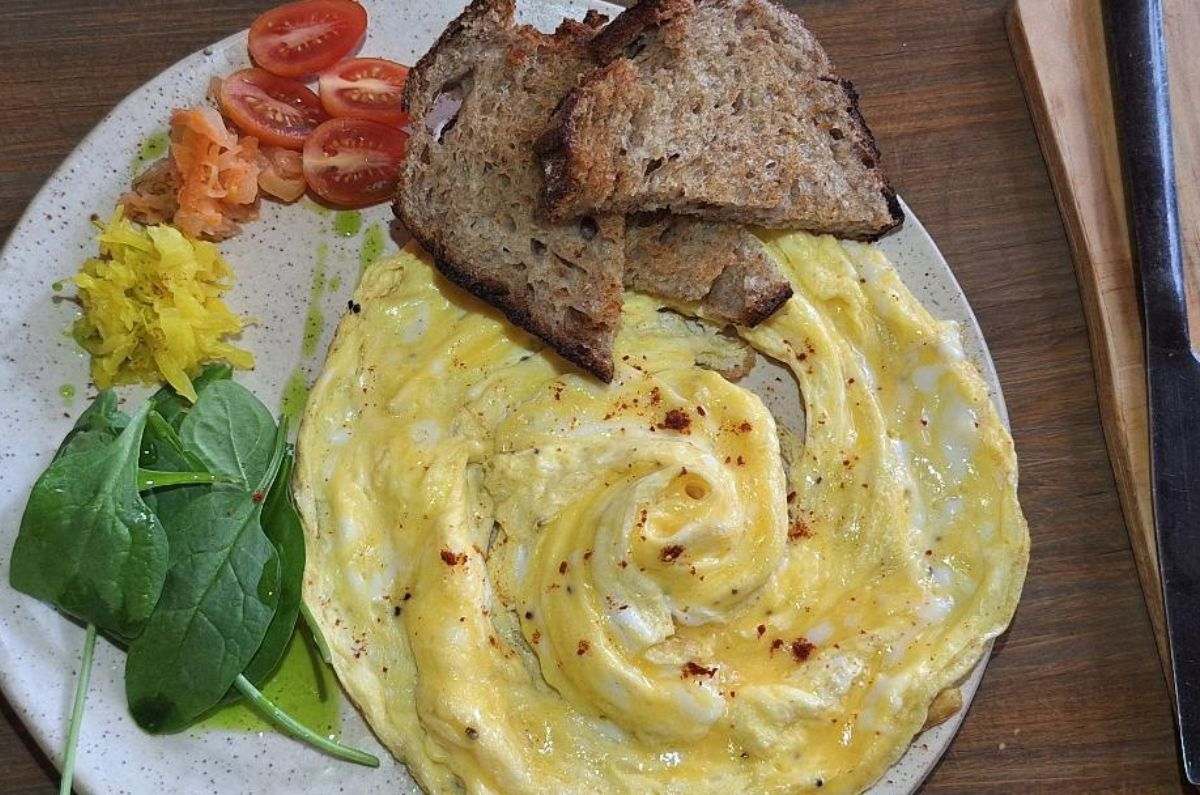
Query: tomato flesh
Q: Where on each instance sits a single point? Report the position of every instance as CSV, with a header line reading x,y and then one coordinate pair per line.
x,y
365,88
303,38
354,162
281,173
273,109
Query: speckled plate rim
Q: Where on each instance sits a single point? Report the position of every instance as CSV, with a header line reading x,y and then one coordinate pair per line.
x,y
42,708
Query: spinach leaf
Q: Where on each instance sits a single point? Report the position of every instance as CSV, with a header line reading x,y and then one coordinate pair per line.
x,y
172,406
231,432
281,523
220,595
162,449
88,543
99,423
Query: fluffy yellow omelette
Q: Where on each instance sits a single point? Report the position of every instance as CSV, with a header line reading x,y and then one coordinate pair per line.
x,y
534,582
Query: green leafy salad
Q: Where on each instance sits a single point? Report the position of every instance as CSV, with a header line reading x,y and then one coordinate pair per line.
x,y
172,532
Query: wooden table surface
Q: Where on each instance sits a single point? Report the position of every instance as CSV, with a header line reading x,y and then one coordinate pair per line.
x,y
1073,699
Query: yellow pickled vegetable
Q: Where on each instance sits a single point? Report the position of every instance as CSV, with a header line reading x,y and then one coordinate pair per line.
x,y
152,308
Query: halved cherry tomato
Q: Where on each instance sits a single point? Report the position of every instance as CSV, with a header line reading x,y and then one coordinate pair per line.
x,y
365,88
273,109
353,162
281,173
303,38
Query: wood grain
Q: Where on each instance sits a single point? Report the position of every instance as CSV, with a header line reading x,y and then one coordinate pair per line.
x,y
1061,60
1073,700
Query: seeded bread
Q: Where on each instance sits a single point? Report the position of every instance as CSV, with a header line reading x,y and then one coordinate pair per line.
x,y
726,109
722,266
470,184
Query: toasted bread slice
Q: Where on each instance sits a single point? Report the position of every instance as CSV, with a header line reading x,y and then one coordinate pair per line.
x,y
470,184
725,109
722,266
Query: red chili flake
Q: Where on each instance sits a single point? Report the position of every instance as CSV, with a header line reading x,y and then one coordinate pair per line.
x,y
762,630
776,645
801,357
587,555
453,558
850,381
691,668
407,595
741,461
791,496
472,733
745,427
670,553
700,410
257,496
562,567
529,615
396,610
799,530
924,421
801,649
537,637
582,648
622,563
655,396
676,420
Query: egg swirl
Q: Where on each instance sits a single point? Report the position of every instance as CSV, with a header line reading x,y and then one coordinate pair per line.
x,y
535,582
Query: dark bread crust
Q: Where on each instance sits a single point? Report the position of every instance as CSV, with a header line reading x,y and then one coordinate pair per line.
x,y
763,304
495,294
476,21
623,31
865,141
564,181
583,173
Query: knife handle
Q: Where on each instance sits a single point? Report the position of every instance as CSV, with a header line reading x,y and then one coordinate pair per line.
x,y
1142,105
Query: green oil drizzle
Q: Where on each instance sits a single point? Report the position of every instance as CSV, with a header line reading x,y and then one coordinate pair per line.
x,y
372,245
314,321
303,686
152,148
335,282
58,286
295,395
347,223
67,391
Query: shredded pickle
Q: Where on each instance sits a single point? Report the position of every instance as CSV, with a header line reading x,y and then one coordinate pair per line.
x,y
152,308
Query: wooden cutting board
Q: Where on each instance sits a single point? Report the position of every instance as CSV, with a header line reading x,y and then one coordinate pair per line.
x,y
1059,50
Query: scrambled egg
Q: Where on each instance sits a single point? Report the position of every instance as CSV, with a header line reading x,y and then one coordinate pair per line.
x,y
535,582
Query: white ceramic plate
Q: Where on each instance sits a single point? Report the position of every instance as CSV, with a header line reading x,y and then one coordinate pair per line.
x,y
274,260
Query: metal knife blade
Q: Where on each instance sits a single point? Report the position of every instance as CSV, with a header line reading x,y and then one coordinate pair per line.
x,y
1137,57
